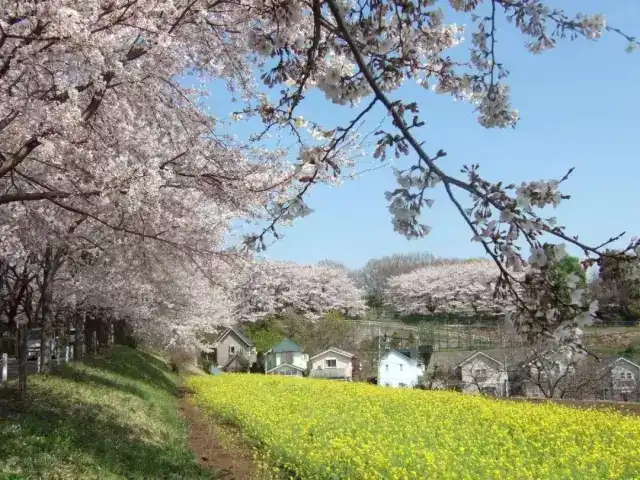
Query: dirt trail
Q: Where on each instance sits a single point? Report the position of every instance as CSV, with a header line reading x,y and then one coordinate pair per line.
x,y
221,453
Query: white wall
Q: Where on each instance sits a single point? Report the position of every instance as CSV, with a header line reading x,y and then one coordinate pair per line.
x,y
470,372
343,363
620,377
299,359
396,369
341,360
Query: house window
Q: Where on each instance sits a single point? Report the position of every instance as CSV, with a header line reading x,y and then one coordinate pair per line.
x,y
386,366
629,376
232,349
400,365
287,357
480,373
331,363
622,375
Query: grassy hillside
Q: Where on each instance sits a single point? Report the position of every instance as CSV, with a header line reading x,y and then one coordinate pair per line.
x,y
109,418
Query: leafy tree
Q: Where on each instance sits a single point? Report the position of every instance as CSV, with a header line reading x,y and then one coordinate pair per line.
x,y
567,266
265,333
617,287
373,277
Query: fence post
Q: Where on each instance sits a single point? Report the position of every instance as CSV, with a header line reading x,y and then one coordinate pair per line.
x,y
4,365
38,362
94,342
72,352
66,354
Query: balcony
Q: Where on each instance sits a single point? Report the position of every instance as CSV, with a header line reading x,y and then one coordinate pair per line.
x,y
329,373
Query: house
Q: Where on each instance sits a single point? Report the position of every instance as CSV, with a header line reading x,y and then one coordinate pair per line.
x,y
400,368
482,373
623,381
548,374
332,363
234,351
286,358
488,371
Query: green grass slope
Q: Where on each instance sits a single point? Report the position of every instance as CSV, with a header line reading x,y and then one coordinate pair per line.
x,y
107,418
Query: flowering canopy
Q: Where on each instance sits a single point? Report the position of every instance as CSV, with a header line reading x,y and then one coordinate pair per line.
x,y
460,287
311,290
102,142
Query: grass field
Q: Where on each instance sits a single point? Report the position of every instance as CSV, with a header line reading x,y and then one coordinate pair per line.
x,y
319,429
110,418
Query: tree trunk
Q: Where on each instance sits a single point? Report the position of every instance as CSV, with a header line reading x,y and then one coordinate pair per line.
x,y
119,333
47,317
78,340
88,329
94,343
21,340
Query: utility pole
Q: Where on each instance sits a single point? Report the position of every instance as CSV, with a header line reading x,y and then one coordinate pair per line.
x,y
507,374
379,348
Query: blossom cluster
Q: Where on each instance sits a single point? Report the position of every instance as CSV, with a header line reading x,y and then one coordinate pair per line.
x,y
271,287
107,157
452,287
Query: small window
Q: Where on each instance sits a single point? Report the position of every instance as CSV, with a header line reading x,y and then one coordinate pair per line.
x,y
622,375
331,363
629,376
400,366
386,366
232,349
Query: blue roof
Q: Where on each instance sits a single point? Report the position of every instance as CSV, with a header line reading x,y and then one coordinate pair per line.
x,y
286,345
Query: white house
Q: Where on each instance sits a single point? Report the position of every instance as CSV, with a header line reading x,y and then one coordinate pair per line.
x,y
286,358
332,363
481,373
400,368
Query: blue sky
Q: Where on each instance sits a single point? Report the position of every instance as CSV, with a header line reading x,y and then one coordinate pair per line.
x,y
579,106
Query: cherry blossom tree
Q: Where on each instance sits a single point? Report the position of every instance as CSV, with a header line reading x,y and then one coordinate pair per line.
x,y
374,275
106,152
104,145
271,288
363,51
453,288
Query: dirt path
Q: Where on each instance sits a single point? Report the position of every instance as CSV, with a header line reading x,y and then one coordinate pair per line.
x,y
214,449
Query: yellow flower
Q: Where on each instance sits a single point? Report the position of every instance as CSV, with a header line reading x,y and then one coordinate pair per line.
x,y
320,430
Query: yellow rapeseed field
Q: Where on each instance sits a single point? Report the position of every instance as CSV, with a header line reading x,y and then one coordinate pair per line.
x,y
320,429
